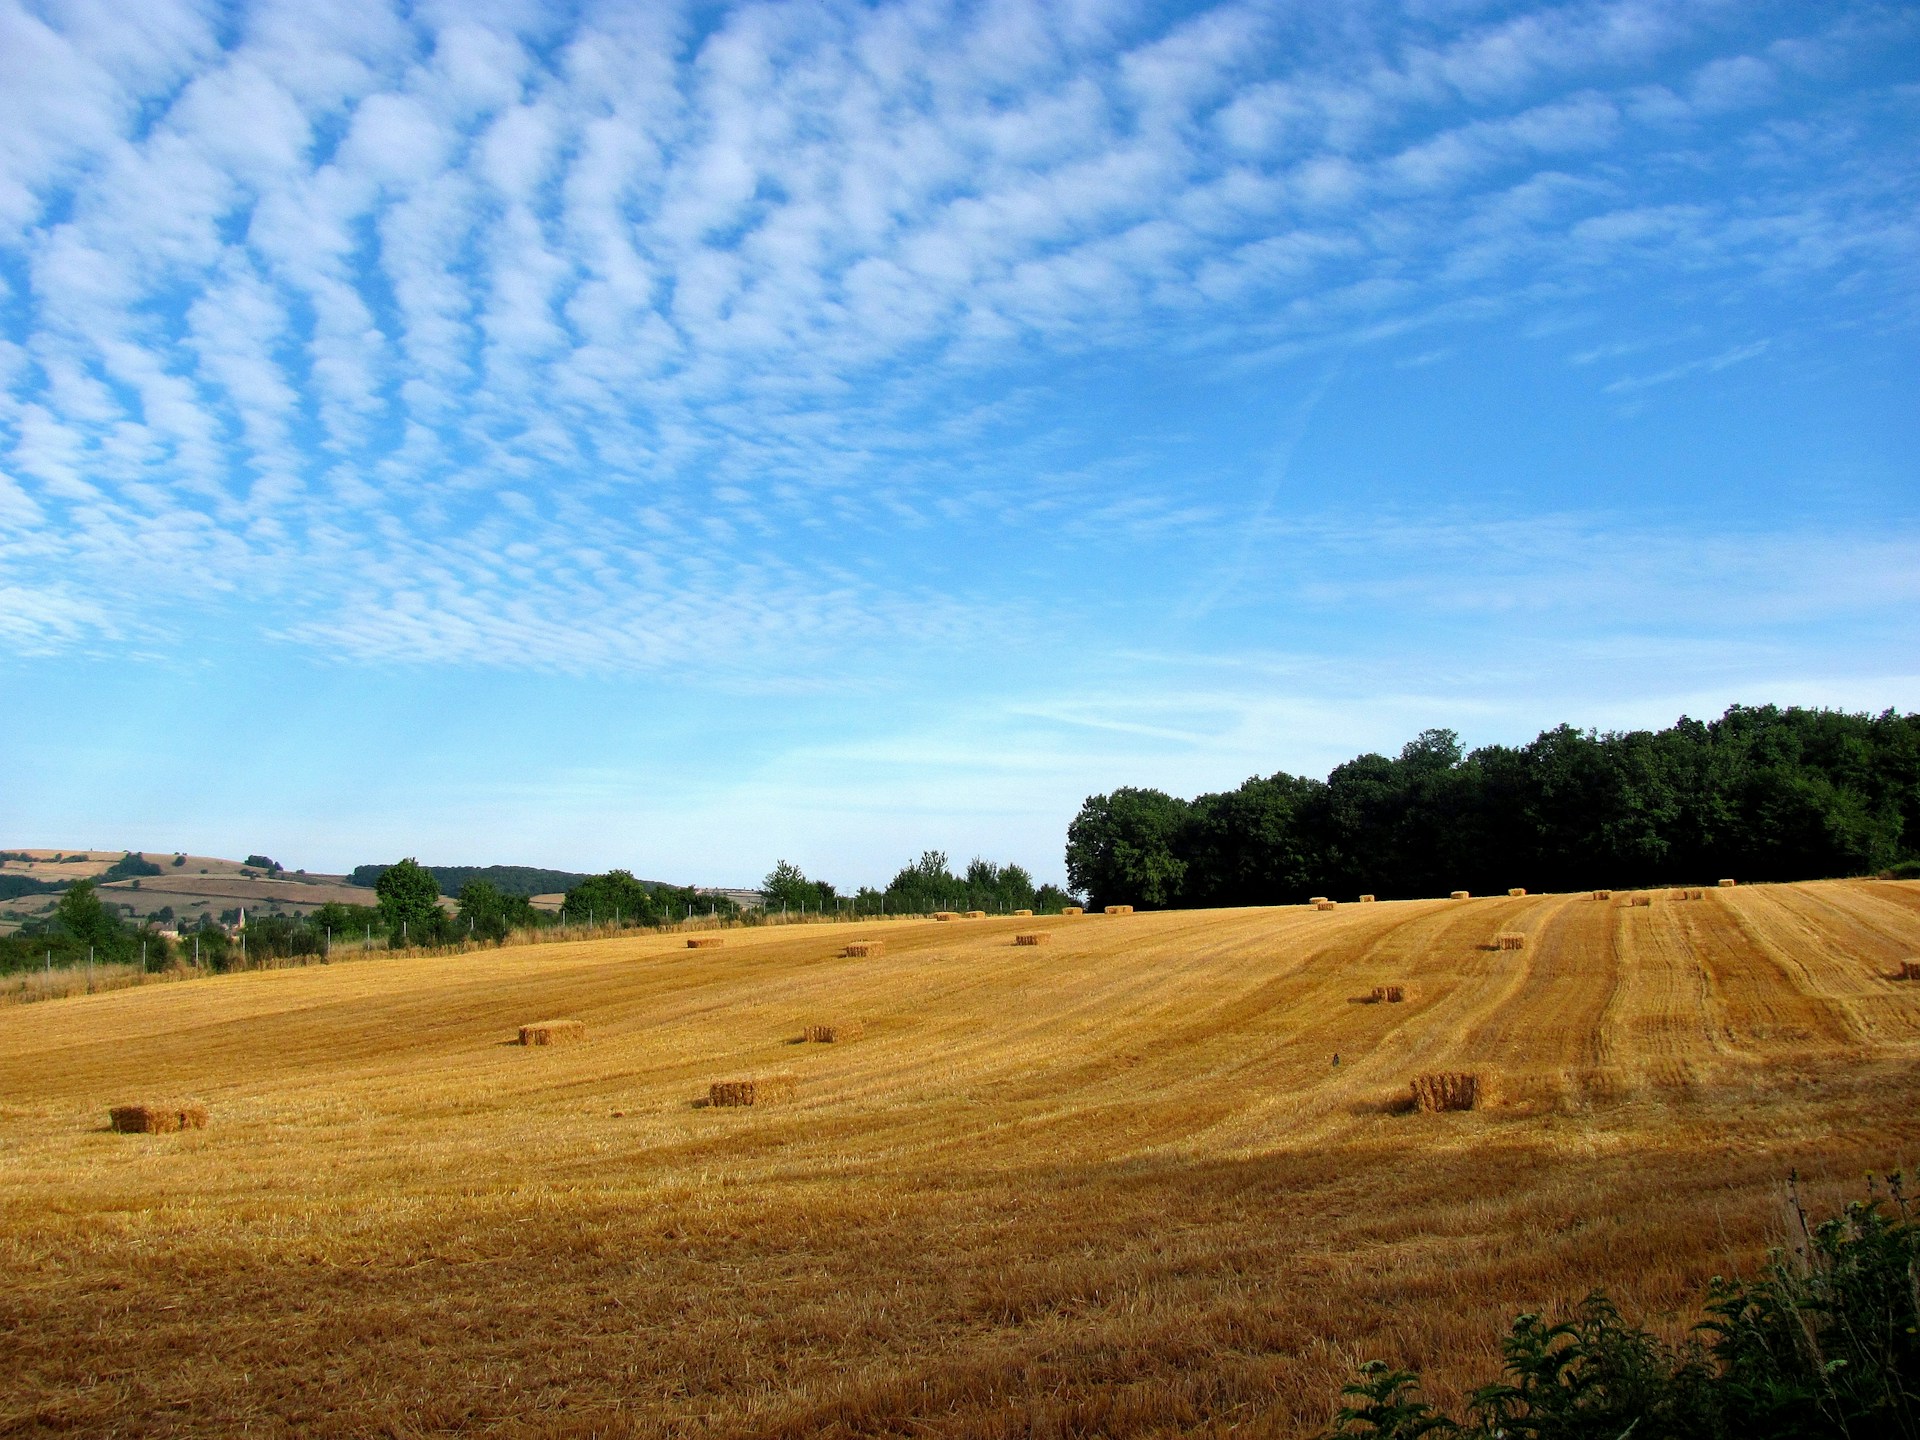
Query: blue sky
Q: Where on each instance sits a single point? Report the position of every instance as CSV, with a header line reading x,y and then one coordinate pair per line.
x,y
618,435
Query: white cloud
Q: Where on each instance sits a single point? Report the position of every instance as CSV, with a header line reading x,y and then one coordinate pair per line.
x,y
388,311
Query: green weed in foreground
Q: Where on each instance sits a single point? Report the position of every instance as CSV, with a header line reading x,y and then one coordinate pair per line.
x,y
1825,1341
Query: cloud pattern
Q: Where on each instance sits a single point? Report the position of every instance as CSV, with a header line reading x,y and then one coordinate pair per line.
x,y
610,336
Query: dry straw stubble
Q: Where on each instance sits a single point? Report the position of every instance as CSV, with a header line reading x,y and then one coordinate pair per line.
x,y
554,1032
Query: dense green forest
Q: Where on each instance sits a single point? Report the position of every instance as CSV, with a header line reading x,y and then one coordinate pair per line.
x,y
525,880
1759,794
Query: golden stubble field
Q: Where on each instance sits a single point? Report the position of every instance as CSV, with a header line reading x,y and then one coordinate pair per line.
x,y
1113,1185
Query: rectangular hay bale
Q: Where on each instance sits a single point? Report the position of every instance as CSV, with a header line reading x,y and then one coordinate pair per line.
x,y
158,1117
762,1090
554,1032
1325,905
1388,994
1367,900
1119,909
1603,894
836,1034
1317,900
863,949
1517,891
1909,970
1460,895
1446,1090
1073,910
1036,937
1019,913
1726,884
1509,941
704,942
1640,900
975,915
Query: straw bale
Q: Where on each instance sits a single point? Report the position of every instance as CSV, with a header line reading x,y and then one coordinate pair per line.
x,y
976,915
1388,994
1446,1090
1119,909
1676,894
1909,970
1640,900
158,1117
1509,940
864,949
1318,900
1518,890
945,915
836,1034
1460,895
554,1032
1696,894
1036,937
1366,900
762,1090
1726,884
704,942
1325,905
1072,910
1603,894
1019,913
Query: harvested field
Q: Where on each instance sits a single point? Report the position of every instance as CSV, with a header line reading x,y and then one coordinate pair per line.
x,y
1037,1198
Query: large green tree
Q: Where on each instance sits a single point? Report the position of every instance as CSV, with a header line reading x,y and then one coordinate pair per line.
x,y
410,902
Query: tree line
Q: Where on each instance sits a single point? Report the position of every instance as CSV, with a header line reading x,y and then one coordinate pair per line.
x,y
1762,793
921,887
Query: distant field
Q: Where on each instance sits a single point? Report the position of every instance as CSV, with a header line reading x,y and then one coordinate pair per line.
x,y
1111,1185
203,884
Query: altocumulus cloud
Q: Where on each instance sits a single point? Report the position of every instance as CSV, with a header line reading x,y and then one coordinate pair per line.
x,y
494,333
